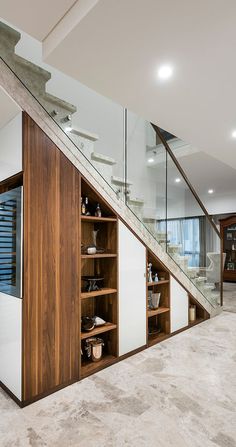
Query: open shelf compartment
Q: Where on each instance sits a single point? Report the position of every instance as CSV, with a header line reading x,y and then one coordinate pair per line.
x,y
99,298
158,319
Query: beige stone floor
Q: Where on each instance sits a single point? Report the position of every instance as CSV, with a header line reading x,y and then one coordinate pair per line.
x,y
229,296
180,393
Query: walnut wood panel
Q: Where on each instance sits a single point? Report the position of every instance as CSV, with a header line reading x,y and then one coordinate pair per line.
x,y
51,320
11,182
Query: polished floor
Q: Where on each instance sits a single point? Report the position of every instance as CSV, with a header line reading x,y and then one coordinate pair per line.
x,y
180,393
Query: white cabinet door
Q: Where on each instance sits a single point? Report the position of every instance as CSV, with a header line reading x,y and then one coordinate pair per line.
x,y
179,306
10,343
132,291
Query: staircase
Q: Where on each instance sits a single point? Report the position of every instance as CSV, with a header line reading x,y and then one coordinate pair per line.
x,y
79,145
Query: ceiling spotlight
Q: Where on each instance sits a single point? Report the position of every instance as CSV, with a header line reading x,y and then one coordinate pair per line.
x,y
234,134
177,180
210,191
165,72
151,160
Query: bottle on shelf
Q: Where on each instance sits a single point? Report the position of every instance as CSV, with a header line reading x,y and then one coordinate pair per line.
x,y
98,212
83,207
87,212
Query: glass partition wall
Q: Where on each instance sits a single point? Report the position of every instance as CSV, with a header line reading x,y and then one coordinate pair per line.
x,y
132,156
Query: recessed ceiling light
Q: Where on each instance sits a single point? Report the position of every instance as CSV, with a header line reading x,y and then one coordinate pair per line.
x,y
234,134
150,160
178,180
165,72
210,191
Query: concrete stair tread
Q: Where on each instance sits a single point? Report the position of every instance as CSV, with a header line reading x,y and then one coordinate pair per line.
x,y
101,158
120,181
135,201
85,134
10,35
57,102
28,65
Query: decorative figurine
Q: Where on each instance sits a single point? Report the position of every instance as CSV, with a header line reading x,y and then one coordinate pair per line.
x,y
98,212
156,278
150,272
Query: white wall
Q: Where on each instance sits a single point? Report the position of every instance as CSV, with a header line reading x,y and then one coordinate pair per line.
x,y
11,148
10,343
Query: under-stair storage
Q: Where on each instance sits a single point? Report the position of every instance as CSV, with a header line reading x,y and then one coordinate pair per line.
x,y
158,300
197,314
92,293
98,297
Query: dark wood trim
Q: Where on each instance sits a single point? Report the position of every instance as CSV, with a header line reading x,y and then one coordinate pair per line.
x,y
227,275
48,393
11,182
10,394
135,351
179,167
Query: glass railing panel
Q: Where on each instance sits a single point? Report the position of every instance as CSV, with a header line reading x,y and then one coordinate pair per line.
x,y
92,122
146,176
193,242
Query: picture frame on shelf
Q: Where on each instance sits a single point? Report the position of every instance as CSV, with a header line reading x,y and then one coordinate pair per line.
x,y
230,266
229,236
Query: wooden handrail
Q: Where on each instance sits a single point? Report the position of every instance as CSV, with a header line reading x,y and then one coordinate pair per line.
x,y
179,167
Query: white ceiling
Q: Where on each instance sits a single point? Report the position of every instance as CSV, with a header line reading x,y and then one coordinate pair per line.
x,y
36,18
8,108
118,46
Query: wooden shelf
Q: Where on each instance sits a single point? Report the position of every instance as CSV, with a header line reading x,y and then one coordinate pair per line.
x,y
105,291
150,284
97,219
99,255
88,367
197,321
160,310
98,330
156,338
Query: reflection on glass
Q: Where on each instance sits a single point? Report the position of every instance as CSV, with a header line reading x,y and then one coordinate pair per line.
x,y
146,175
10,242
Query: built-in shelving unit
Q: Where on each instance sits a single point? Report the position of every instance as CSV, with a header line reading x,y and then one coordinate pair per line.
x,y
201,313
102,302
158,319
228,246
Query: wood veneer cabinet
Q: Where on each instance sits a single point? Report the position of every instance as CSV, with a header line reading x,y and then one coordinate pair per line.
x,y
51,311
228,236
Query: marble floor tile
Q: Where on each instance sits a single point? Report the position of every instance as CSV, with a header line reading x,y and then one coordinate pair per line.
x,y
180,393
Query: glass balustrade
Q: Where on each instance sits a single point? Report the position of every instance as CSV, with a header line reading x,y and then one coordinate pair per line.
x,y
134,157
146,176
91,121
193,242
